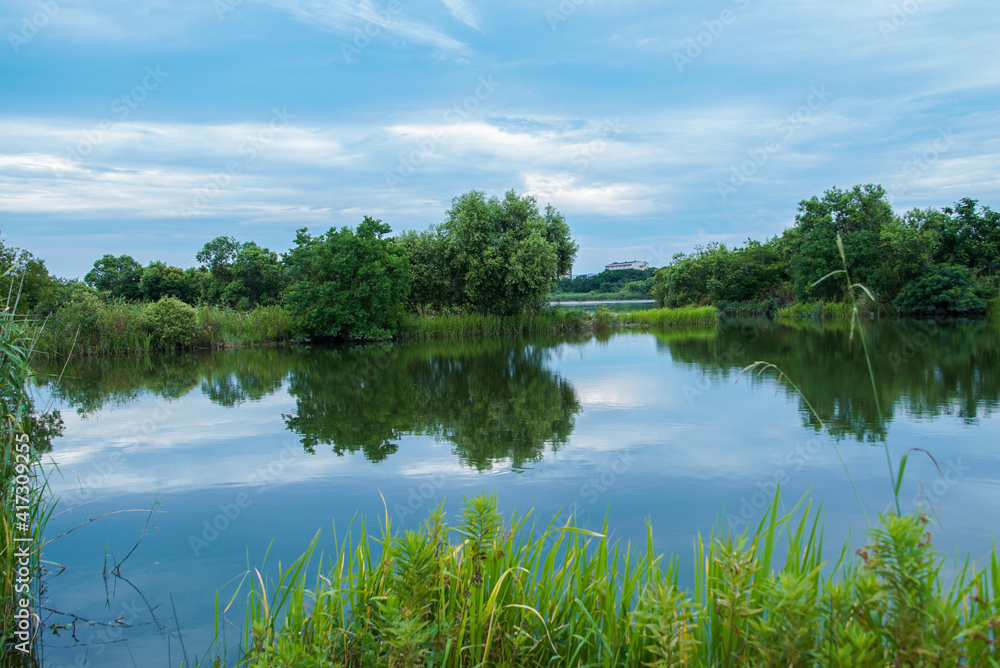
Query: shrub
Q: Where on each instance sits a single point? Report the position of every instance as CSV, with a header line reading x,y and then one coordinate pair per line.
x,y
944,288
171,323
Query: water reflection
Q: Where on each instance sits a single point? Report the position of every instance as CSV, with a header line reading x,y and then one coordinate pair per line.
x,y
921,367
494,401
498,400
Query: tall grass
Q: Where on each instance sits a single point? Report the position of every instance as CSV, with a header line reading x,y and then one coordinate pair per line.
x,y
23,511
490,591
668,317
597,296
425,326
817,310
90,326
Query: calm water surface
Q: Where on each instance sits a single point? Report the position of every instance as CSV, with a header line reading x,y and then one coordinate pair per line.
x,y
240,452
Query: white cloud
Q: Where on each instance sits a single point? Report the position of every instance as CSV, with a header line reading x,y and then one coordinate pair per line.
x,y
463,11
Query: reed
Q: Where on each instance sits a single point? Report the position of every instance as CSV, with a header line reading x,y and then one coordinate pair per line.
x,y
23,508
492,591
91,326
460,324
669,317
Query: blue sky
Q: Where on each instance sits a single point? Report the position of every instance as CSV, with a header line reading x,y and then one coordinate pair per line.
x,y
148,127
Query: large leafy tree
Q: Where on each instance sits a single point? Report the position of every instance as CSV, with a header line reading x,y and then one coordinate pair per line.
x,y
116,276
25,280
347,283
504,254
970,236
858,215
257,277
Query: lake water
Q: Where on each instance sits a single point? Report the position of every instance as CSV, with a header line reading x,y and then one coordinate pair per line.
x,y
241,452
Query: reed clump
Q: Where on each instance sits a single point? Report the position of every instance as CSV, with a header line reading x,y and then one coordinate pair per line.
x,y
89,325
460,324
23,509
492,591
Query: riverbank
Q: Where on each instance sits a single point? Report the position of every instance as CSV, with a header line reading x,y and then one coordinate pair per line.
x,y
102,328
598,296
488,590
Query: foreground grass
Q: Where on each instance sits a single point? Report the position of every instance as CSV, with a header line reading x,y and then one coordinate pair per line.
x,y
23,511
489,591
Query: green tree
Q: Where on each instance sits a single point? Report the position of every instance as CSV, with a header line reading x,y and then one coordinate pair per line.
x,y
218,255
970,236
859,216
117,276
26,280
433,281
506,255
161,280
257,277
347,283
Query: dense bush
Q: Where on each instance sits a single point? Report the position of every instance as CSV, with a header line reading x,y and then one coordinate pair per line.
x,y
944,288
348,284
171,323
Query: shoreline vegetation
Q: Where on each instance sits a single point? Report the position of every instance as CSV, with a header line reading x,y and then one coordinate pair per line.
x,y
107,328
492,591
488,268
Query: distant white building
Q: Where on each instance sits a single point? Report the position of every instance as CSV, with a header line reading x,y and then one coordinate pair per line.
x,y
637,264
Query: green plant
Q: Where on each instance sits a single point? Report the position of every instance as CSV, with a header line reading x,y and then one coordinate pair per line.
x,y
171,323
942,289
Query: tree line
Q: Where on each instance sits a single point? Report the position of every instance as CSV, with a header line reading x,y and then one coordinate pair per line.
x,y
923,261
493,255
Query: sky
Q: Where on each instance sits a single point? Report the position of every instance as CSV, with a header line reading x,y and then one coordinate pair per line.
x,y
149,127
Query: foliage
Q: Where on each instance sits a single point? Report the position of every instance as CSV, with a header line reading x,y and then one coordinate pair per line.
x,y
499,256
636,281
348,284
944,288
24,511
171,323
486,590
26,283
119,277
885,250
160,280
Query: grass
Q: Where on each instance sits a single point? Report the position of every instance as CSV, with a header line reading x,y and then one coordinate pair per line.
x,y
816,310
450,325
22,499
97,327
552,320
597,296
490,591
